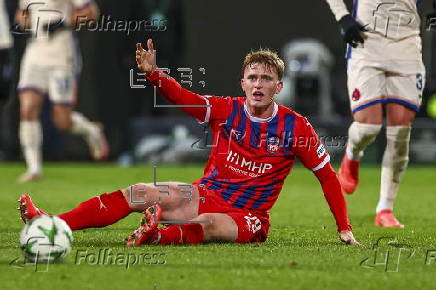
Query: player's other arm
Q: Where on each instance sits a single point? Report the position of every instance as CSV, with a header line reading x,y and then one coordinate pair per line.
x,y
313,155
351,30
196,105
336,201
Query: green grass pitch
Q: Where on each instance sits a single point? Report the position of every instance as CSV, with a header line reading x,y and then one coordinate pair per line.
x,y
302,251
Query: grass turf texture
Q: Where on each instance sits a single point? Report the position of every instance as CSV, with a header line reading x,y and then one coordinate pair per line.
x,y
302,251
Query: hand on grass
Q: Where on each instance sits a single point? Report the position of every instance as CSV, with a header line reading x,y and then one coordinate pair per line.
x,y
348,238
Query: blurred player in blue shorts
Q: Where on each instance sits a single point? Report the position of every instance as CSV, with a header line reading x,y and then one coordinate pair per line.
x,y
47,69
385,74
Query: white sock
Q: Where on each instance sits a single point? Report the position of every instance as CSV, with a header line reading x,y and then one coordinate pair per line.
x,y
31,143
81,125
394,164
360,135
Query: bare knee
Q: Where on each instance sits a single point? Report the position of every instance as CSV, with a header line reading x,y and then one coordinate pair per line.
x,y
137,196
30,105
62,118
370,115
399,115
208,222
218,227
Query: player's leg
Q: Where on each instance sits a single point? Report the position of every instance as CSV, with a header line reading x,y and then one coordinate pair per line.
x,y
61,115
405,98
32,88
205,227
62,94
179,201
365,87
240,227
93,134
30,133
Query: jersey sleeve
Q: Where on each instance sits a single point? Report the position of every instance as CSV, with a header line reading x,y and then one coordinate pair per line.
x,y
308,147
203,108
338,8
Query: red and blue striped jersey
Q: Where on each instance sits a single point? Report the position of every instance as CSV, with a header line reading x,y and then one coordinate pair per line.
x,y
250,157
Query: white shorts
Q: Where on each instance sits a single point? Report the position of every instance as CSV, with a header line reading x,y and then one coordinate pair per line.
x,y
55,81
393,81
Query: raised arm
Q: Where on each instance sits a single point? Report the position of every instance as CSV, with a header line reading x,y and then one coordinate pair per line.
x,y
194,104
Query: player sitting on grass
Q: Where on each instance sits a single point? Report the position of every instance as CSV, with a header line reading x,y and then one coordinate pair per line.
x,y
256,142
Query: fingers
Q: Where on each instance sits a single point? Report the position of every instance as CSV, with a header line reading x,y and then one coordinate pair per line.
x,y
348,238
138,59
350,241
359,38
150,45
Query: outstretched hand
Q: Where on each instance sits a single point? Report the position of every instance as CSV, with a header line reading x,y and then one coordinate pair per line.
x,y
348,238
146,59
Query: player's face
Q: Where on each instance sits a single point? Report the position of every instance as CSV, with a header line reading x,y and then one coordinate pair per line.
x,y
260,84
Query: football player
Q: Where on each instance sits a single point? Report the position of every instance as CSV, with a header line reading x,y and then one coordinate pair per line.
x,y
256,142
47,69
385,74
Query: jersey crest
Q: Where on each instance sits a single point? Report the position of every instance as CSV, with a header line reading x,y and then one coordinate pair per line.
x,y
272,144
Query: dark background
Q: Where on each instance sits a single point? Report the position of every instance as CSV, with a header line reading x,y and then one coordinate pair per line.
x,y
215,35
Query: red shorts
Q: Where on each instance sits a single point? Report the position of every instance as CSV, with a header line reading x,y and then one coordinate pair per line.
x,y
252,227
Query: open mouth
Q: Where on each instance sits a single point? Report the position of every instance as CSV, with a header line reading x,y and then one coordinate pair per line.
x,y
258,96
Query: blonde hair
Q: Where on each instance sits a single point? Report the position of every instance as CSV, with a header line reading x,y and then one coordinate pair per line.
x,y
267,57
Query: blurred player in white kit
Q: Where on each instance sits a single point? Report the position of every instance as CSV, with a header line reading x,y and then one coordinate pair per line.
x,y
385,73
47,69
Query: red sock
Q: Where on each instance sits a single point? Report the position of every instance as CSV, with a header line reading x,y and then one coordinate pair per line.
x,y
99,211
184,234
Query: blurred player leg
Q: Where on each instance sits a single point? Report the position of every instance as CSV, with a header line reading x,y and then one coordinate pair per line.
x,y
93,134
362,132
365,84
61,88
30,133
395,160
